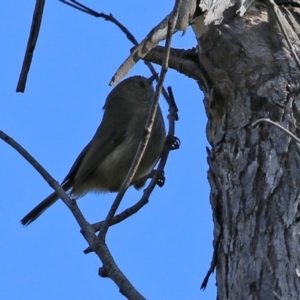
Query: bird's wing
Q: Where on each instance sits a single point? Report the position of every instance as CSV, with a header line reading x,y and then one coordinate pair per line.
x,y
109,135
76,164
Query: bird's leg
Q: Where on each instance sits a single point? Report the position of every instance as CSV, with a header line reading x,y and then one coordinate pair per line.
x,y
140,182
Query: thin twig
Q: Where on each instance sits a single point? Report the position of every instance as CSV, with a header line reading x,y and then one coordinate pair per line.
x,y
278,126
33,36
144,142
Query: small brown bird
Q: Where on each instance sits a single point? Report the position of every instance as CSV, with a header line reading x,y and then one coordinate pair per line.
x,y
103,164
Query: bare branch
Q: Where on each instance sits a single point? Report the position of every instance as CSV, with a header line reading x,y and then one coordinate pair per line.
x,y
144,142
33,36
177,61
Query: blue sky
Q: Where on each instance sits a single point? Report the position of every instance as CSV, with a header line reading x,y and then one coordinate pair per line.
x,y
165,249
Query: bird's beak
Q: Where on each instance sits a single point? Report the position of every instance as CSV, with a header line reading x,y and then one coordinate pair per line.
x,y
152,78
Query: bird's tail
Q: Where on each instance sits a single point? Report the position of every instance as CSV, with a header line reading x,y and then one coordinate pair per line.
x,y
41,207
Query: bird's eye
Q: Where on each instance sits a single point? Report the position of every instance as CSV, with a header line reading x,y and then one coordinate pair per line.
x,y
142,84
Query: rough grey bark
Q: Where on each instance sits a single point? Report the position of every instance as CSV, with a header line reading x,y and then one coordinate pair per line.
x,y
254,173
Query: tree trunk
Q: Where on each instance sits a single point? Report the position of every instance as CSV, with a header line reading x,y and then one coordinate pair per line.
x,y
252,73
